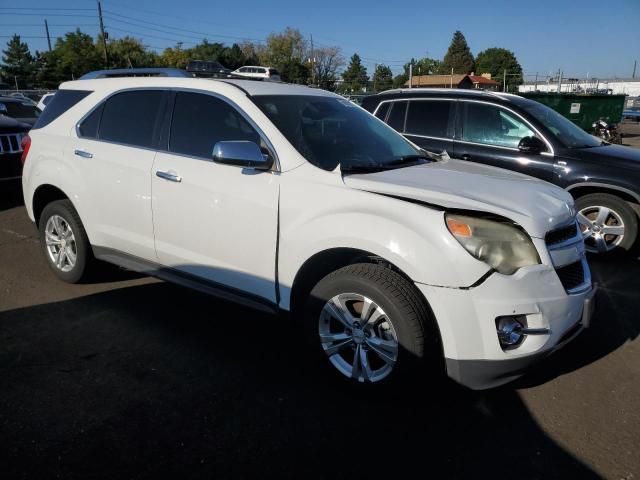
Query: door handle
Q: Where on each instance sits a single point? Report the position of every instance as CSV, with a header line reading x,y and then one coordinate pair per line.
x,y
83,153
172,177
466,156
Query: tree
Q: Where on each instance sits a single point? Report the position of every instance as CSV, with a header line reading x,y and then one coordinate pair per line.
x,y
175,57
18,63
75,55
382,78
458,57
326,63
424,66
355,76
129,52
46,74
286,52
233,57
206,51
495,61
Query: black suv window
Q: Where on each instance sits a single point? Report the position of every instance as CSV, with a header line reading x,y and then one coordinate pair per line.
x,y
382,111
429,117
199,121
492,125
132,118
62,101
397,115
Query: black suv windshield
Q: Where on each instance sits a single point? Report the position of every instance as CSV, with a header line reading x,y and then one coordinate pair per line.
x,y
330,131
20,110
568,133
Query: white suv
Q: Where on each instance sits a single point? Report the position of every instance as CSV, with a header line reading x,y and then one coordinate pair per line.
x,y
263,73
292,199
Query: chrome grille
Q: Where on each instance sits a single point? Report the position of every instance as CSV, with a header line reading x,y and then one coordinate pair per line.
x,y
10,143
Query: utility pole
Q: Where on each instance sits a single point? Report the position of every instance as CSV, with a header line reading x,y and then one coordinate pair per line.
x,y
104,35
375,69
46,28
559,81
504,81
411,74
635,63
451,83
312,60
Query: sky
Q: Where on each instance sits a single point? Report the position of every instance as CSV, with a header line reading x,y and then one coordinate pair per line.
x,y
595,38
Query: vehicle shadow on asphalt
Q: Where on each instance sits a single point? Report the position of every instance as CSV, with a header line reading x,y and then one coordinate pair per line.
x,y
616,320
156,380
10,194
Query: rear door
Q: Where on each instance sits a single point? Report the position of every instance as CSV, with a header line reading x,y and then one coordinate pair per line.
x,y
114,151
488,133
430,123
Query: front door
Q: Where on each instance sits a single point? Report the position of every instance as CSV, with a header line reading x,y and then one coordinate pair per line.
x,y
490,134
213,221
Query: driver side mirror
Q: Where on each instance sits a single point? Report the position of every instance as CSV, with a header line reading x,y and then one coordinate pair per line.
x,y
241,153
531,145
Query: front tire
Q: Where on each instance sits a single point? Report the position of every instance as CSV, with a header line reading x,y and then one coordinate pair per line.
x,y
369,325
64,241
607,222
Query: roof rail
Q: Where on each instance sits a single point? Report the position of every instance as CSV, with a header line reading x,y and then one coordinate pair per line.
x,y
136,72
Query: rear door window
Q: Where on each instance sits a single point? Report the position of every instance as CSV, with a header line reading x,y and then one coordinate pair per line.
x,y
200,121
133,118
397,116
430,118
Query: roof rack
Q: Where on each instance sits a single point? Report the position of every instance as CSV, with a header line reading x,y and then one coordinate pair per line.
x,y
136,72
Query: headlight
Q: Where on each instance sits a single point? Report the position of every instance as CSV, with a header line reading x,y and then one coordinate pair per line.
x,y
503,247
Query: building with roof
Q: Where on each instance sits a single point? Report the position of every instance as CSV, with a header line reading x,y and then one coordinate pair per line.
x,y
482,82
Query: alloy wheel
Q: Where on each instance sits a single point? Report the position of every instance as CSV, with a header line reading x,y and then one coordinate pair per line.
x,y
61,243
602,228
358,337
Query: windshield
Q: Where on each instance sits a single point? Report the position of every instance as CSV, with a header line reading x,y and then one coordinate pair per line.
x,y
568,133
330,131
20,110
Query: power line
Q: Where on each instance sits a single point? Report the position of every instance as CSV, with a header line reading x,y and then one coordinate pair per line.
x,y
47,8
39,25
145,22
48,15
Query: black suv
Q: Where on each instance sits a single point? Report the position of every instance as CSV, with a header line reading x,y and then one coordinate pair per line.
x,y
512,132
11,133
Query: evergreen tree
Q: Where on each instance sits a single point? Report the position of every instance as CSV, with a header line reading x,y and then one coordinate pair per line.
x,y
355,76
382,78
458,56
495,61
17,63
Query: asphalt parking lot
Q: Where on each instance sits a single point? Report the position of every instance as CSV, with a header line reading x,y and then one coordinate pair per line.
x,y
129,377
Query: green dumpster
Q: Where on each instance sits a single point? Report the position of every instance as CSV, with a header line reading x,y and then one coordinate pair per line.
x,y
583,109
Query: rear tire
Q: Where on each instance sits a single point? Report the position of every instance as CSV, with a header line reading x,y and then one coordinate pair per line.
x,y
370,325
608,223
64,241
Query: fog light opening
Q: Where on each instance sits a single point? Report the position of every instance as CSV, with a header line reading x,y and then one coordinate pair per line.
x,y
510,331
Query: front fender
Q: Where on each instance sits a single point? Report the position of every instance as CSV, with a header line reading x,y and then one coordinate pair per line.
x,y
412,237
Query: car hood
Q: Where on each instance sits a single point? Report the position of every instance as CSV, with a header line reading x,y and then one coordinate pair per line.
x,y
629,156
536,205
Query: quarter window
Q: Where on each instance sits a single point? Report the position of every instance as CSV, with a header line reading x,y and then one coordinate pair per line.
x,y
62,101
492,125
429,118
396,117
132,118
200,121
89,126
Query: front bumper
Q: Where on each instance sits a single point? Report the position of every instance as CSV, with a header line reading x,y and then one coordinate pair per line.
x,y
466,319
